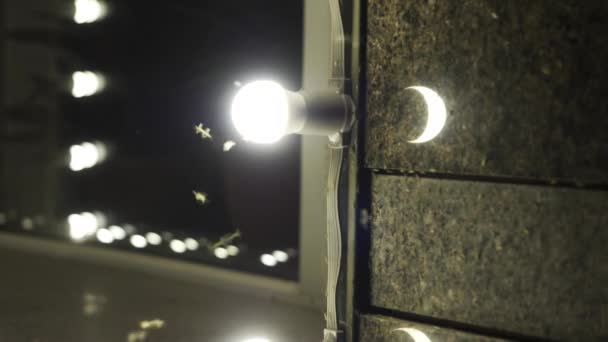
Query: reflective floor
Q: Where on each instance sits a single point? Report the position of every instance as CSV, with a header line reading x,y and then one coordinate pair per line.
x,y
45,299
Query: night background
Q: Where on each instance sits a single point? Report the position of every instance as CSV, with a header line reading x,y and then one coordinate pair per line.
x,y
168,66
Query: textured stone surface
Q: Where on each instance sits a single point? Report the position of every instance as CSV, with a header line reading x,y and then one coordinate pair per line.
x,y
523,81
525,259
376,328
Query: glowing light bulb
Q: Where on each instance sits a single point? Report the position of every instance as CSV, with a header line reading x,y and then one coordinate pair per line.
x,y
138,241
104,235
191,244
153,238
268,260
88,11
220,253
89,222
86,155
233,250
177,246
118,233
82,225
280,256
260,112
257,339
86,83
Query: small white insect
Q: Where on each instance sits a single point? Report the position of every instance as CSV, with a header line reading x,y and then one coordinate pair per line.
x,y
205,133
200,197
228,145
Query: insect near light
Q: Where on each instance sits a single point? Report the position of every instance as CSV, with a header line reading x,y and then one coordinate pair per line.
x,y
263,112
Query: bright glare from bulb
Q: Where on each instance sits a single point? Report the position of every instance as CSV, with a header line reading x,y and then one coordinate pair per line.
x,y
260,112
257,339
105,236
280,256
268,260
86,83
415,334
177,246
153,238
436,114
191,244
221,253
118,233
88,11
86,155
233,250
138,241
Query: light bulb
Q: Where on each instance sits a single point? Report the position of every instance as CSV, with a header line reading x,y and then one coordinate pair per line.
x,y
233,250
263,112
191,244
138,241
177,246
88,11
221,253
118,233
86,155
260,112
280,256
86,83
153,238
268,260
105,236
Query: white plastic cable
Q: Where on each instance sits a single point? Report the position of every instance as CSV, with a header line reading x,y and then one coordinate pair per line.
x,y
334,238
337,45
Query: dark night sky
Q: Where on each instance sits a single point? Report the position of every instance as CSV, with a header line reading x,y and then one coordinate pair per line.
x,y
170,65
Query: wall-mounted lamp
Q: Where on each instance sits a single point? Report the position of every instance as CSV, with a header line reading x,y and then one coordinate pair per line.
x,y
263,112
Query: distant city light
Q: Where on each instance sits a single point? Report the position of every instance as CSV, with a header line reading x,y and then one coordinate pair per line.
x,y
138,241
220,253
82,225
233,250
280,256
88,11
27,223
86,83
118,233
104,235
191,244
153,238
86,155
177,246
268,260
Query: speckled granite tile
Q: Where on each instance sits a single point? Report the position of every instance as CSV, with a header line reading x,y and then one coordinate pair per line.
x,y
524,83
526,259
375,328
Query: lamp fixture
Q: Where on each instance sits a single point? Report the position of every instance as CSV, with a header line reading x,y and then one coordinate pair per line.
x,y
263,112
